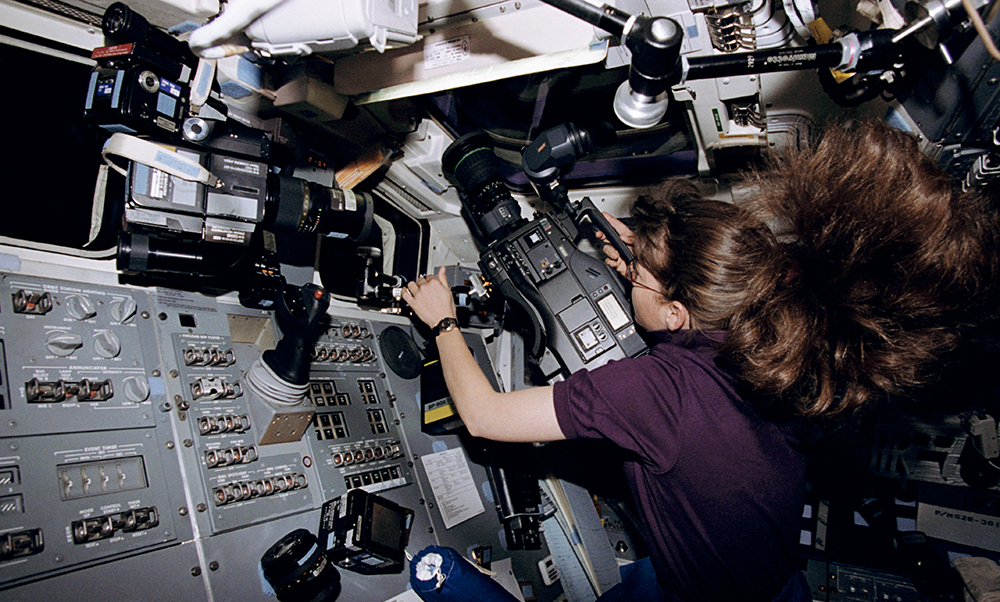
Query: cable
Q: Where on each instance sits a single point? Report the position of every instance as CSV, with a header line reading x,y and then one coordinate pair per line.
x,y
984,35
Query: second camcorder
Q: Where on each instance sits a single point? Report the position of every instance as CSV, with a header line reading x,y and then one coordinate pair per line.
x,y
202,196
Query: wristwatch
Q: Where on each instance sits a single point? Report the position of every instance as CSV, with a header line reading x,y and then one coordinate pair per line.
x,y
445,325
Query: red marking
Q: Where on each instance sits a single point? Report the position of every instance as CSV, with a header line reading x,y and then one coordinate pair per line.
x,y
107,51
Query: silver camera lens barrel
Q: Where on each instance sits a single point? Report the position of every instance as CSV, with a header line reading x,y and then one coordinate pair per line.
x,y
197,129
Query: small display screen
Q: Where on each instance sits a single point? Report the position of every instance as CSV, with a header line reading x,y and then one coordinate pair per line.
x,y
534,237
386,526
613,312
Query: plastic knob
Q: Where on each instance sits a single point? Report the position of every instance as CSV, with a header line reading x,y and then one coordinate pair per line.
x,y
80,307
62,343
136,388
107,344
123,310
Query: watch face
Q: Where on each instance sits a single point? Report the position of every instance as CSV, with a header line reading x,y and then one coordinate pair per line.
x,y
445,325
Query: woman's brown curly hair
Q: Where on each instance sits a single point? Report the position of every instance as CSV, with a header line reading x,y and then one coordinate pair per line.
x,y
882,263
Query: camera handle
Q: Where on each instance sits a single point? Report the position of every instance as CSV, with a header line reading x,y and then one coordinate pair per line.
x,y
298,311
516,288
585,211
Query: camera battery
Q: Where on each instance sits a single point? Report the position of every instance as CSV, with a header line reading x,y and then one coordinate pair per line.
x,y
228,214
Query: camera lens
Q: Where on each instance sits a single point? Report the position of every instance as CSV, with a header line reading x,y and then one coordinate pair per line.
x,y
140,253
471,164
298,569
309,207
121,24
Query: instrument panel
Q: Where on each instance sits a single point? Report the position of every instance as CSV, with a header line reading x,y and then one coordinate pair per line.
x,y
127,432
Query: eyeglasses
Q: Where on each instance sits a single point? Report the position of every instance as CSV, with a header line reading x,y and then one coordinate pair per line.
x,y
630,276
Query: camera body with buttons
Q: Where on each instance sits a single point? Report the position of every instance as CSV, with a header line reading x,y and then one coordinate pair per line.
x,y
141,84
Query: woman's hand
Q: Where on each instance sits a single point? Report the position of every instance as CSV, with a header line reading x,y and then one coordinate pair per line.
x,y
522,415
430,298
613,260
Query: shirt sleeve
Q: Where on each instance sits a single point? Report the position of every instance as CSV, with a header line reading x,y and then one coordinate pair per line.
x,y
634,403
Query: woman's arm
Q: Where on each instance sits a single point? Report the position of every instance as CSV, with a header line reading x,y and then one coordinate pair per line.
x,y
523,415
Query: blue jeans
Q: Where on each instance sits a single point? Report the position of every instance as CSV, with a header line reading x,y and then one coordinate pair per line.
x,y
639,584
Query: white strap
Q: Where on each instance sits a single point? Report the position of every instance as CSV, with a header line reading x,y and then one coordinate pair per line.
x,y
156,156
201,87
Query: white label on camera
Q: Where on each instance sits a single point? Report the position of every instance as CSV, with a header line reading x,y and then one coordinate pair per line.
x,y
158,184
447,52
238,165
612,309
350,201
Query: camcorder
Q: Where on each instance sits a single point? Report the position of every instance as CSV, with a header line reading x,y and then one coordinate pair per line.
x,y
578,312
203,203
142,80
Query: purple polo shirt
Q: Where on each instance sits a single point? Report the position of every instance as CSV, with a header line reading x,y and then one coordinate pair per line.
x,y
718,488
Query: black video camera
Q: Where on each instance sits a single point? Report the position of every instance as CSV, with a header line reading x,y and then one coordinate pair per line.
x,y
141,81
205,216
202,199
576,305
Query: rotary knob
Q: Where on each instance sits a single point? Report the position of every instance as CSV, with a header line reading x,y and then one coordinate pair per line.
x,y
80,307
62,343
107,344
136,388
123,310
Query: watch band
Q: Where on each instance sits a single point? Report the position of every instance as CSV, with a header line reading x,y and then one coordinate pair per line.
x,y
445,325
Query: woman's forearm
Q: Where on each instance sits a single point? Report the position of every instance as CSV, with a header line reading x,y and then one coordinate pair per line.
x,y
523,415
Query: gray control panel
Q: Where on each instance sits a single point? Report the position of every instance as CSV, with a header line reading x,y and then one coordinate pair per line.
x,y
129,437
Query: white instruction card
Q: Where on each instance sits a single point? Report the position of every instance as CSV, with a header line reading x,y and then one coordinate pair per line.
x,y
454,489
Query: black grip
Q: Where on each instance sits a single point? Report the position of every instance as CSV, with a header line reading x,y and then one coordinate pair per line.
x,y
298,311
588,210
513,286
